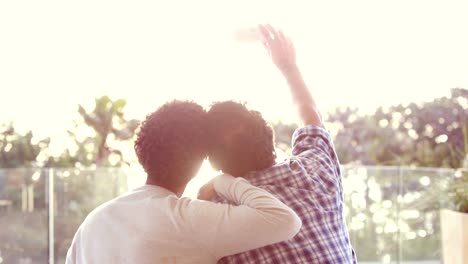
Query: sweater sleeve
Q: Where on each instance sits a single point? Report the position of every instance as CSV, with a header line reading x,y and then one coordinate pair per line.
x,y
255,219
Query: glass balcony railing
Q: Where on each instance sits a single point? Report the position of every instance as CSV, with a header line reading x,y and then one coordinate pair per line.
x,y
392,212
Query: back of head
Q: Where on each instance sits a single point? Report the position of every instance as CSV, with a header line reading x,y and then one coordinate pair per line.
x,y
171,143
240,140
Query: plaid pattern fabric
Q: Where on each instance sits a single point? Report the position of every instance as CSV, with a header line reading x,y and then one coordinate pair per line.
x,y
310,183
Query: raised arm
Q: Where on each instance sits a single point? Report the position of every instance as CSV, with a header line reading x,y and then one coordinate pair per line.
x,y
255,220
283,54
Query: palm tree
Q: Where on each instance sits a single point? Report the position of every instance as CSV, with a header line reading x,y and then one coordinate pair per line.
x,y
106,119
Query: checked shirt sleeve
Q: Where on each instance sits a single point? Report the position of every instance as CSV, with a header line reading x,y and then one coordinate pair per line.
x,y
312,137
314,147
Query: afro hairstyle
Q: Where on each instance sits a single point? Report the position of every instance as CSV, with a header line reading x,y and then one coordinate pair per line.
x,y
171,142
240,140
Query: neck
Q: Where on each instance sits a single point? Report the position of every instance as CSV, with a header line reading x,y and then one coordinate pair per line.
x,y
177,190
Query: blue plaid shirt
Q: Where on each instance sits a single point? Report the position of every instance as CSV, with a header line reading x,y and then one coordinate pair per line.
x,y
310,183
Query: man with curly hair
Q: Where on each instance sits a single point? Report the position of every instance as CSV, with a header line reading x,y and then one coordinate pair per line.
x,y
309,181
153,224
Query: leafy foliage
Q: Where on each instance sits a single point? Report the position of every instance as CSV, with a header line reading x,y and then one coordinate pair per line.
x,y
283,134
427,135
19,150
108,126
456,189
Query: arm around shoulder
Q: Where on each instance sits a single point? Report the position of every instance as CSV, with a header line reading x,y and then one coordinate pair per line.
x,y
255,219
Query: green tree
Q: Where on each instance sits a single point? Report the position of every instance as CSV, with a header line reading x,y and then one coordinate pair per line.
x,y
108,126
283,134
17,149
107,119
429,134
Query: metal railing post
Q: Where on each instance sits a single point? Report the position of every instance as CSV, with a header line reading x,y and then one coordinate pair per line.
x,y
51,216
399,201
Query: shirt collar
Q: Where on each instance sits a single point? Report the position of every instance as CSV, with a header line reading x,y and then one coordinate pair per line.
x,y
156,188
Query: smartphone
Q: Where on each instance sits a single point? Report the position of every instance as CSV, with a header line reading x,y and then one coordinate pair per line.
x,y
252,34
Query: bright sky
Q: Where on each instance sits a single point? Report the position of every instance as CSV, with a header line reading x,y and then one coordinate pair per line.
x,y
57,54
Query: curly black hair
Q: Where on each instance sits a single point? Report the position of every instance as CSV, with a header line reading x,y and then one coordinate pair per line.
x,y
240,140
171,143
